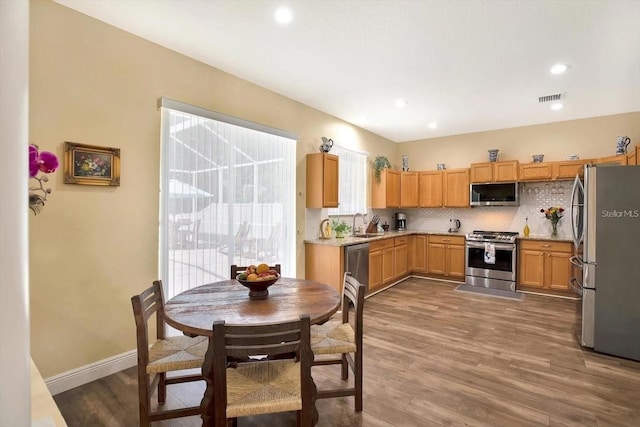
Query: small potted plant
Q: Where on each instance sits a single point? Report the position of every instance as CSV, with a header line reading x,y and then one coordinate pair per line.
x,y
340,227
380,163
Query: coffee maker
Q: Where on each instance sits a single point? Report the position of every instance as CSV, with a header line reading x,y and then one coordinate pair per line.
x,y
401,221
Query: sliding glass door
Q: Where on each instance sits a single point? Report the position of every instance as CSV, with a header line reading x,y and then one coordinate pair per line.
x,y
227,197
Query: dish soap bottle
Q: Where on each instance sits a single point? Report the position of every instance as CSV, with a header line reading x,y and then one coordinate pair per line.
x,y
526,227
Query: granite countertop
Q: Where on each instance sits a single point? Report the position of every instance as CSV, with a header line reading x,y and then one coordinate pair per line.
x,y
350,240
561,238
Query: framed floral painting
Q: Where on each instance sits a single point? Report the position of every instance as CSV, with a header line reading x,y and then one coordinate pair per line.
x,y
91,165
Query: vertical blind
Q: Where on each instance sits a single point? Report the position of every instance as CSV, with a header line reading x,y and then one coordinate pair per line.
x,y
226,188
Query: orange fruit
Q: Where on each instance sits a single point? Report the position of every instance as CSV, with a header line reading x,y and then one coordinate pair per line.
x,y
252,277
262,268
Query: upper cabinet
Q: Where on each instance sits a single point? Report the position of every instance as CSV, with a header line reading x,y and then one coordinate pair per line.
x,y
409,189
506,171
632,157
614,160
322,180
430,189
535,172
443,188
569,169
456,188
386,193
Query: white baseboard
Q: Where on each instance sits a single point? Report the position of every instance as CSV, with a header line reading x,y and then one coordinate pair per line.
x,y
94,371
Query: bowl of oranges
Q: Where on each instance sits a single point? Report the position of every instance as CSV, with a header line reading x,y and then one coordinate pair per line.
x,y
258,278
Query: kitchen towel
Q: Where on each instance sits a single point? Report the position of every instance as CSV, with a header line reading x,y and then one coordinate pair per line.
x,y
489,253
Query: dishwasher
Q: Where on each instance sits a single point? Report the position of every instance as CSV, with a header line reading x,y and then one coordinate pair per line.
x,y
357,262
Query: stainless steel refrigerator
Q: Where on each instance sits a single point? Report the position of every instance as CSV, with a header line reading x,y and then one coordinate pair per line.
x,y
606,218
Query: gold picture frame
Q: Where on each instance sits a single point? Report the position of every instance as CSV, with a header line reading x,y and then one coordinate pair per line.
x,y
91,165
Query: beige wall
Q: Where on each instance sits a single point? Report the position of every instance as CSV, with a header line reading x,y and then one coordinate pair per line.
x,y
588,138
92,248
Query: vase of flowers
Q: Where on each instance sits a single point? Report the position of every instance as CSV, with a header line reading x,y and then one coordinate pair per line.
x,y
553,214
40,162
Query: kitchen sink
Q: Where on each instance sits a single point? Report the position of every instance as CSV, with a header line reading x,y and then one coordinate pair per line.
x,y
365,235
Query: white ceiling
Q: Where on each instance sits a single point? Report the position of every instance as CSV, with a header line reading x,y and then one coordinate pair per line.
x,y
470,65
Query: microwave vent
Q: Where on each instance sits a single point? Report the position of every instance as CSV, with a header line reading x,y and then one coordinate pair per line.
x,y
550,98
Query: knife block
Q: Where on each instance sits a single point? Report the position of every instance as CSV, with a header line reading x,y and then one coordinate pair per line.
x,y
372,227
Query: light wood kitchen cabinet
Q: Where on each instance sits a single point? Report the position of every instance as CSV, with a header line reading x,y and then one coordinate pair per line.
x,y
506,171
325,264
617,159
386,193
418,253
632,156
387,262
535,172
381,253
569,169
455,188
545,265
445,256
400,257
430,189
322,180
375,268
409,189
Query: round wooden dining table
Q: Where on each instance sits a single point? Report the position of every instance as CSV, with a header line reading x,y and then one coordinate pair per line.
x,y
194,311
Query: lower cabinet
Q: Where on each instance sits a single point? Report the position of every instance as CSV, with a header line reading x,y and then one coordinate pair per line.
x,y
380,263
418,253
400,257
445,256
545,265
388,261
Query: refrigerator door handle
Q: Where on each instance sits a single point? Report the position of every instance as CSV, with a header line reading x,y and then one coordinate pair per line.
x,y
573,282
576,261
576,209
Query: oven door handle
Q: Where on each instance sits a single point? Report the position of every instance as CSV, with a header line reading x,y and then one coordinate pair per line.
x,y
499,246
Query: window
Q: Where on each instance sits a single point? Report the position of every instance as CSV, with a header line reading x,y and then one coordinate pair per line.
x,y
353,181
227,186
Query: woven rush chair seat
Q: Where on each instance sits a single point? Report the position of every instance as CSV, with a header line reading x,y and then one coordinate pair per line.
x,y
263,387
278,382
176,353
333,337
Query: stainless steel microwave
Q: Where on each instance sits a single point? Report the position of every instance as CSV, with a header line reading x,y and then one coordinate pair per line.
x,y
494,194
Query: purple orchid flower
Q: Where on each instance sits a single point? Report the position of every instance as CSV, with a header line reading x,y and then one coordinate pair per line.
x,y
43,161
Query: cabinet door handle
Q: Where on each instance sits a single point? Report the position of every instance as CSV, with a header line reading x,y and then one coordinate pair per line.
x,y
546,246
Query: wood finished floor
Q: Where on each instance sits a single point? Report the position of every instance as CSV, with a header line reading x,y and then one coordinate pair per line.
x,y
434,356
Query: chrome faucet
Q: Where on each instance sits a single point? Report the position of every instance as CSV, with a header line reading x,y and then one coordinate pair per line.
x,y
364,218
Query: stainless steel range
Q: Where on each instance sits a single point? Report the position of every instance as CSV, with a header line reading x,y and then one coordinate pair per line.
x,y
491,259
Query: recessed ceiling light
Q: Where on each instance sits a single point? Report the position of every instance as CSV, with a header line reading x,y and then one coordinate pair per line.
x,y
559,68
283,15
432,125
401,103
557,106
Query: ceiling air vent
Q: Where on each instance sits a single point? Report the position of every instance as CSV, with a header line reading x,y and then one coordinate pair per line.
x,y
550,98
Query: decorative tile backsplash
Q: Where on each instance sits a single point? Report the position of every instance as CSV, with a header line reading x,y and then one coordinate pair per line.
x,y
533,197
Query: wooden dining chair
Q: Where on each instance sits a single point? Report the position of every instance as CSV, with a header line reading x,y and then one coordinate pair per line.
x,y
166,354
343,342
235,269
280,382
